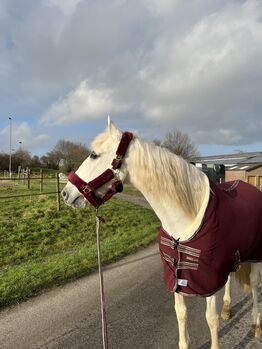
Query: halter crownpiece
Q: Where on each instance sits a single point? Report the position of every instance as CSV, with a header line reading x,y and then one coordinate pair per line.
x,y
88,189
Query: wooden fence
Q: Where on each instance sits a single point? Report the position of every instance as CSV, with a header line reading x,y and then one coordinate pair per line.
x,y
27,179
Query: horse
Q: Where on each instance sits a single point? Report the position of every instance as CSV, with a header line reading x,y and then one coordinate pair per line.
x,y
198,220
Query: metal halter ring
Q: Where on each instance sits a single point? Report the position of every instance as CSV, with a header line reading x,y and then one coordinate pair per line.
x,y
86,189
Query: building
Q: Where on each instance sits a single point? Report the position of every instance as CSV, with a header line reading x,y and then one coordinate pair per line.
x,y
244,166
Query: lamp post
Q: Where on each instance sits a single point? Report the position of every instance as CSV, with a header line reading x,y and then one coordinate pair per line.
x,y
10,153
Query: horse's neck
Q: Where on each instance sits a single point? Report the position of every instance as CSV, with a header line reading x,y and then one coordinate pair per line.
x,y
174,220
173,217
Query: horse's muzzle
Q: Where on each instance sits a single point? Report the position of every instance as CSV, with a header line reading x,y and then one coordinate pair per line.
x,y
75,201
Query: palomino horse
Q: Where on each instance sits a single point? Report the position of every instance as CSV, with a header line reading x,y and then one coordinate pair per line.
x,y
207,230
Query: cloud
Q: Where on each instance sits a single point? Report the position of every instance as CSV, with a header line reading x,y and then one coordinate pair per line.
x,y
22,133
83,103
205,79
160,65
66,6
208,79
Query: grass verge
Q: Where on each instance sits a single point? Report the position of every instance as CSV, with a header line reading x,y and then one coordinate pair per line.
x,y
41,248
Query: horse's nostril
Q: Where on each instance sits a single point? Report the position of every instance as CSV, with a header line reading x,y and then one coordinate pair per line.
x,y
64,194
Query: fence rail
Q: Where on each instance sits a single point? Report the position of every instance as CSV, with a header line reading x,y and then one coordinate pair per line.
x,y
31,194
28,178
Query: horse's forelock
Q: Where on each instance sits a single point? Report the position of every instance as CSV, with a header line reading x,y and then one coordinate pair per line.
x,y
111,136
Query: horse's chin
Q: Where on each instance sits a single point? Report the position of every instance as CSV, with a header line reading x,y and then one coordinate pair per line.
x,y
79,203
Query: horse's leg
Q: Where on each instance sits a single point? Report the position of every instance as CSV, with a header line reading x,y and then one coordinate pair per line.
x,y
212,320
226,314
181,313
254,282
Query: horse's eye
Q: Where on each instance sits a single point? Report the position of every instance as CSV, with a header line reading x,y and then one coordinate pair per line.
x,y
93,155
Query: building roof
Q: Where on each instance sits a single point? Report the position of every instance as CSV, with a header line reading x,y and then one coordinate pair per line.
x,y
243,167
251,158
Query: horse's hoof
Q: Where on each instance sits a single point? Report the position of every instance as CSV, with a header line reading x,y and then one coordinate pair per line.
x,y
226,313
256,329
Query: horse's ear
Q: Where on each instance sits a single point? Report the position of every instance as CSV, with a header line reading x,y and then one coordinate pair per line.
x,y
109,122
112,129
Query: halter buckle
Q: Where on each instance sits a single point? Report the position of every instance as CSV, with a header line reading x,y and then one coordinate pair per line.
x,y
86,189
117,162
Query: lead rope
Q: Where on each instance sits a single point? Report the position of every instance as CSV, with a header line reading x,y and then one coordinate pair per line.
x,y
99,219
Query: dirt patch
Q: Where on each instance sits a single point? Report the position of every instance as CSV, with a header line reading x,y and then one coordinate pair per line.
x,y
6,184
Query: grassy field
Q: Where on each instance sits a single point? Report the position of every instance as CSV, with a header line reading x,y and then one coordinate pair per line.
x,y
41,247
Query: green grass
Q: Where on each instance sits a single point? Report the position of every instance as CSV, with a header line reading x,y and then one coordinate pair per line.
x,y
41,248
130,190
15,187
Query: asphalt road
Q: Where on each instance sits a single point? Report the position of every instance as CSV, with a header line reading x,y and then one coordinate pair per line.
x,y
140,313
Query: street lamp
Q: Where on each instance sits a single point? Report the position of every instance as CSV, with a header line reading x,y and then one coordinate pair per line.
x,y
10,144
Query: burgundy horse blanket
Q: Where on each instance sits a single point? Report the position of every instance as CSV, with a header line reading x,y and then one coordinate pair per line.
x,y
230,233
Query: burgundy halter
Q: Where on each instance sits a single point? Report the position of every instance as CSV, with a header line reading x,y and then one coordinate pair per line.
x,y
88,189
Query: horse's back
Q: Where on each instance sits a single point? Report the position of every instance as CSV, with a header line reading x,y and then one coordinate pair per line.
x,y
241,205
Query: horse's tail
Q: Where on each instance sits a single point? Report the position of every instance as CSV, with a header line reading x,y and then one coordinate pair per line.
x,y
243,276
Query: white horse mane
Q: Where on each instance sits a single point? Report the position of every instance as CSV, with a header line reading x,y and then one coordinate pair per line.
x,y
161,172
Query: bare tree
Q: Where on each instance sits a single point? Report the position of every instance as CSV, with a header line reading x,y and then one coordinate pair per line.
x,y
180,144
22,158
67,155
35,161
4,161
157,142
47,162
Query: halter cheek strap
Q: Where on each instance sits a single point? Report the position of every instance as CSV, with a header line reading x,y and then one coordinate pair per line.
x,y
122,149
88,189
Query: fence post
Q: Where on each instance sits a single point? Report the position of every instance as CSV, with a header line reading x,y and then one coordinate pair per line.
x,y
28,178
58,191
41,180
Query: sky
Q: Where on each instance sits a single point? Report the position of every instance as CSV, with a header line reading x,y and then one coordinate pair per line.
x,y
153,66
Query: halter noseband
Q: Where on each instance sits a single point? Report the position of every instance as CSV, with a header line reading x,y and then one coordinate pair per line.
x,y
88,189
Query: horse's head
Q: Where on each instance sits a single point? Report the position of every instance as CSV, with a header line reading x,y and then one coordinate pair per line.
x,y
100,175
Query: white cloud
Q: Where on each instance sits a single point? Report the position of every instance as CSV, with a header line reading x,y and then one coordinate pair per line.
x,y
21,132
204,75
66,6
83,103
204,80
195,66
163,7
